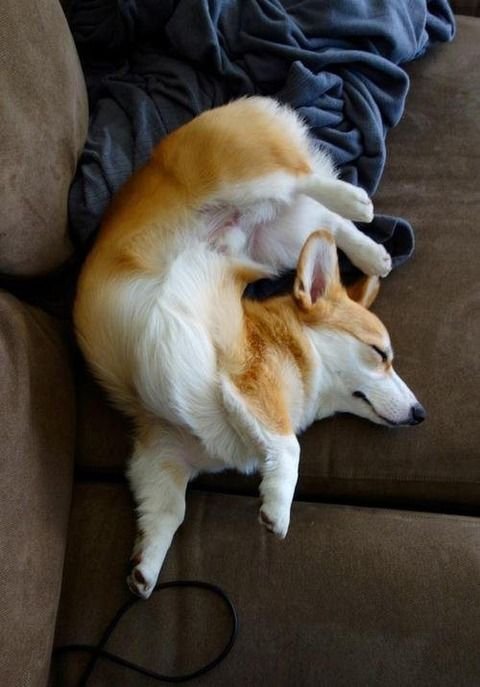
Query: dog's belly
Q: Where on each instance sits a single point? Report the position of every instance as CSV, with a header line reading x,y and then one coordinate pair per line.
x,y
212,464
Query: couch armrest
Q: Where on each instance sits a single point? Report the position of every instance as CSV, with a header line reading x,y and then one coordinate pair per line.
x,y
43,125
37,437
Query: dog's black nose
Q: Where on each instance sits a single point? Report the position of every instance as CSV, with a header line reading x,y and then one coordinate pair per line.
x,y
417,414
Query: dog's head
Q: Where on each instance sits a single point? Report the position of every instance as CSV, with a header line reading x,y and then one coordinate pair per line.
x,y
353,345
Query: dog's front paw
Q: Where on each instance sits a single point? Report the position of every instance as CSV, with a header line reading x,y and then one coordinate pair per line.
x,y
141,580
275,518
373,260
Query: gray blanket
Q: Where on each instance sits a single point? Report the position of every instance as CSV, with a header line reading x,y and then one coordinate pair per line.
x,y
151,66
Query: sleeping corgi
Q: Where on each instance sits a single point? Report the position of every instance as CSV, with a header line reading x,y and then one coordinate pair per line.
x,y
213,380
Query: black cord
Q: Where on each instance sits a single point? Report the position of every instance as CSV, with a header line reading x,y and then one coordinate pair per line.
x,y
98,651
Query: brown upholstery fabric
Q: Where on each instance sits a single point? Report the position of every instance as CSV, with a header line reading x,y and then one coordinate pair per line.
x,y
431,307
36,458
43,123
468,7
353,597
103,437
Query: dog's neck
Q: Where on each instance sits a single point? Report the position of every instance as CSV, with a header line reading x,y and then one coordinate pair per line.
x,y
276,331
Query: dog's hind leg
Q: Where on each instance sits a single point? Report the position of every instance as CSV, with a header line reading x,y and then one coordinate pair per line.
x,y
368,255
158,476
349,201
279,243
365,253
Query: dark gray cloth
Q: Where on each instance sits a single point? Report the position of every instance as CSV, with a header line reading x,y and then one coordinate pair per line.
x,y
152,66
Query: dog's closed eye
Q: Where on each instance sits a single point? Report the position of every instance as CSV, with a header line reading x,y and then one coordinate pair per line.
x,y
386,354
382,354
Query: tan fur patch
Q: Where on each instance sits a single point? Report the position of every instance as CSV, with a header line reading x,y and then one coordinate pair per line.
x,y
195,154
364,291
341,313
272,335
186,168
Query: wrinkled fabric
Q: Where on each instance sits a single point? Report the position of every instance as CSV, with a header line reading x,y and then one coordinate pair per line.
x,y
153,66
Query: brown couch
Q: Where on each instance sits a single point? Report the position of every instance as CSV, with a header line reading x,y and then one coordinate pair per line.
x,y
378,582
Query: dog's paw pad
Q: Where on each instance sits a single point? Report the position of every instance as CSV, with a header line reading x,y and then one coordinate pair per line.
x,y
139,583
383,263
386,265
366,211
356,205
274,520
374,260
265,520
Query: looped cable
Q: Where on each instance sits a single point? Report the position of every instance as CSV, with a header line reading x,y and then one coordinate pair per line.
x,y
98,651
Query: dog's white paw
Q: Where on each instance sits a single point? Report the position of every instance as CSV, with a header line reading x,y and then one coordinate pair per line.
x,y
362,206
373,260
142,579
353,203
275,518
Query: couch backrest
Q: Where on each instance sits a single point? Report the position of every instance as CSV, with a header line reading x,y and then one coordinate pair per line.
x,y
43,125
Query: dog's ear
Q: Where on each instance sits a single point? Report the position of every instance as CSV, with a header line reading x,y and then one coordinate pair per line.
x,y
364,291
317,269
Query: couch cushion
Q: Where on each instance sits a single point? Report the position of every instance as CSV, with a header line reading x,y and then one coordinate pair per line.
x,y
351,597
37,436
431,307
469,7
103,436
43,126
